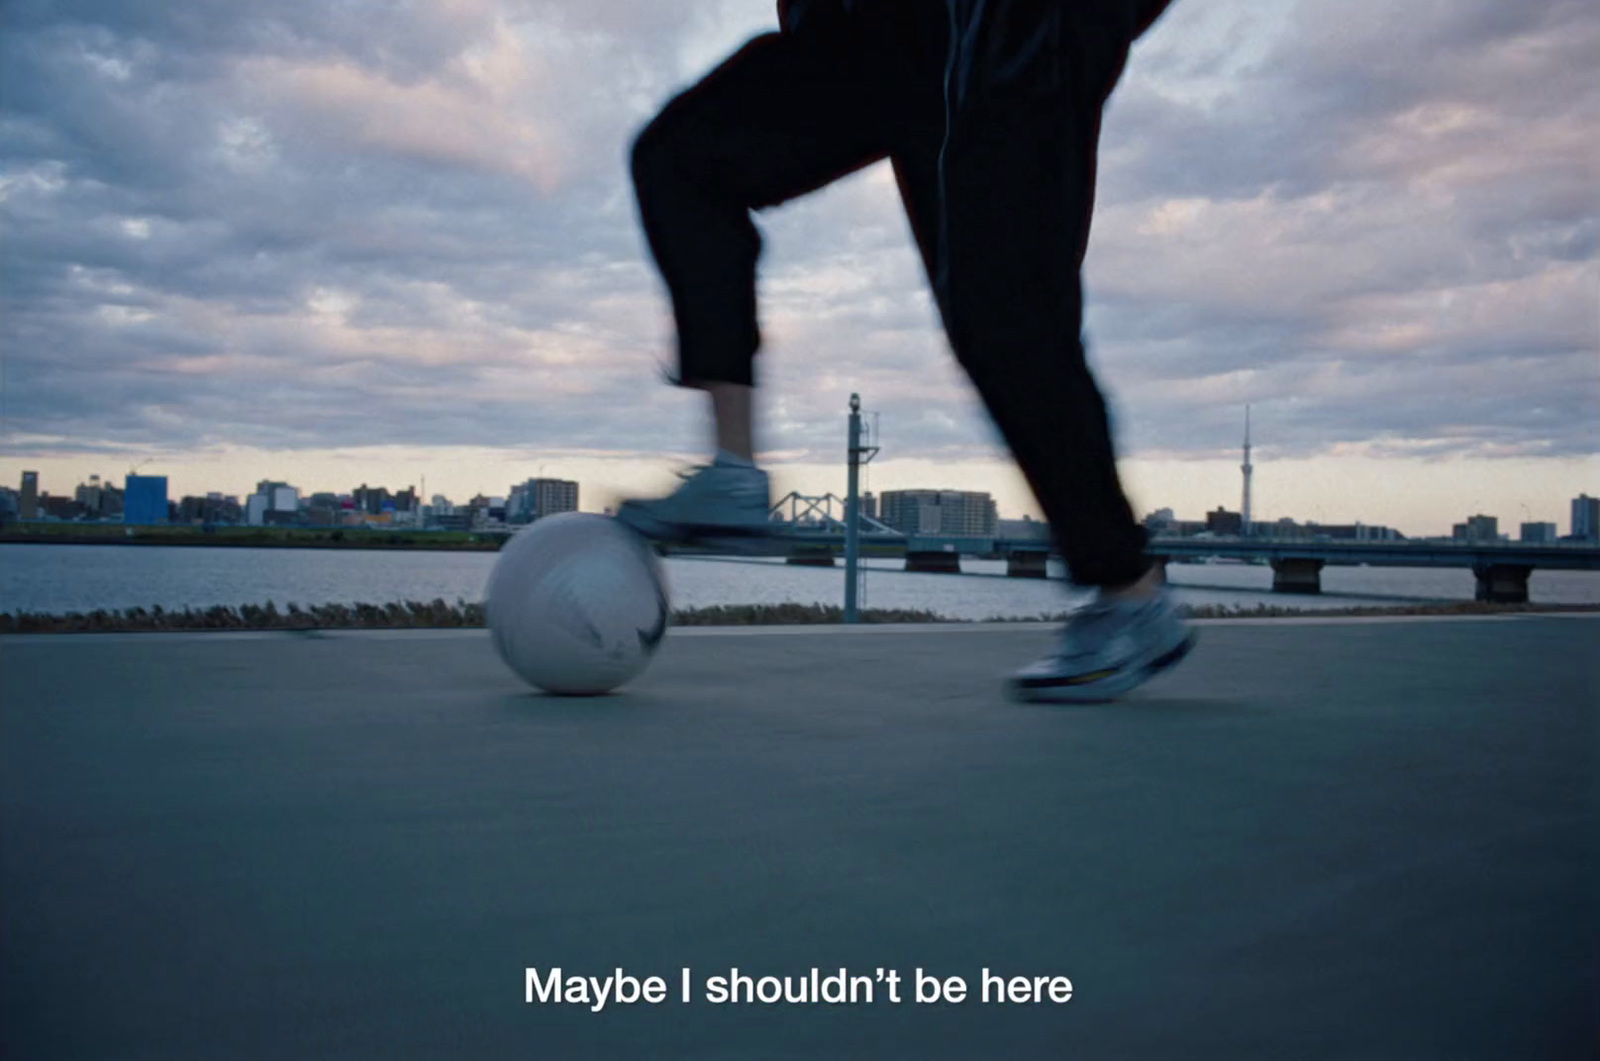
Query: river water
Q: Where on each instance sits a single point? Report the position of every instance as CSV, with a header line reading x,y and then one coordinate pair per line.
x,y
63,578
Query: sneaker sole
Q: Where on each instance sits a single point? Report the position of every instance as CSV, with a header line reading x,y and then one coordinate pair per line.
x,y
659,530
1098,687
739,543
754,540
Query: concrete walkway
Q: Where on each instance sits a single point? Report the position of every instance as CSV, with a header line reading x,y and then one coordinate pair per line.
x,y
1317,839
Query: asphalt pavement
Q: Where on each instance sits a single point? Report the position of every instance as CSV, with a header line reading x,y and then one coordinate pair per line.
x,y
1316,839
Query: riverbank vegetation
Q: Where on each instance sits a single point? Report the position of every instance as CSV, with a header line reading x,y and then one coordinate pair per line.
x,y
437,614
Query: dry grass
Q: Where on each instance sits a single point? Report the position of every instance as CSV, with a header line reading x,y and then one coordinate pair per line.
x,y
439,615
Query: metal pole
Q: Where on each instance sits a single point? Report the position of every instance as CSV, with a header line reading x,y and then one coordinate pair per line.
x,y
852,508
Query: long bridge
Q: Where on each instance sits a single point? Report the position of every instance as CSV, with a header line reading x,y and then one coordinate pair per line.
x,y
1502,568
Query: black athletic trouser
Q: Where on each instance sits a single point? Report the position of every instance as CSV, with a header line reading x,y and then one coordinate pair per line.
x,y
791,112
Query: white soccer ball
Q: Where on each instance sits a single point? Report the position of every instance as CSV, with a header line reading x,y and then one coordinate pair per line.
x,y
576,604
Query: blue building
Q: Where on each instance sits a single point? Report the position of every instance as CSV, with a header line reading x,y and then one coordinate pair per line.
x,y
144,499
1585,517
1538,532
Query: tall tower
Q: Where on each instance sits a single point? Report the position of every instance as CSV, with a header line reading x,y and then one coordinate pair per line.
x,y
1248,469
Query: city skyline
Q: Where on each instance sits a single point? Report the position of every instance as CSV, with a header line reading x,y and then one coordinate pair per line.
x,y
1582,511
304,245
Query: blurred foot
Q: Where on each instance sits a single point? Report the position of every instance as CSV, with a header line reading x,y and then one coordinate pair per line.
x,y
1108,647
720,501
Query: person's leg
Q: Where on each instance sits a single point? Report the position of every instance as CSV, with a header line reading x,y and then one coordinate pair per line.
x,y
787,114
1011,184
1042,444
1018,184
1017,181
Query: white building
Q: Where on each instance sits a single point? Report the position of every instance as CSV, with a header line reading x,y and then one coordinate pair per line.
x,y
953,513
537,498
270,497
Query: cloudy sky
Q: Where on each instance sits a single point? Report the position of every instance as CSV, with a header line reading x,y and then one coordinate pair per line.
x,y
336,241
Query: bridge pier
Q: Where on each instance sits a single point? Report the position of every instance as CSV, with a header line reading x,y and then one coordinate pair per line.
x,y
1027,564
942,563
1502,583
1296,574
811,555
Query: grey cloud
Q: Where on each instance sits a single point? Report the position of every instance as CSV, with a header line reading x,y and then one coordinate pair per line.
x,y
186,184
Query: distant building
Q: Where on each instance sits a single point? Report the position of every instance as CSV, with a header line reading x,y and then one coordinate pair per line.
x,y
1164,523
371,499
438,513
537,498
1354,532
273,503
1224,522
951,513
110,501
28,502
1585,517
90,495
144,499
1025,529
209,510
1538,532
1284,527
869,505
1477,529
486,511
1158,521
324,509
60,508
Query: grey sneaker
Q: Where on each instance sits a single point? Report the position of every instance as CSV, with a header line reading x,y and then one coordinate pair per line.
x,y
1107,648
718,501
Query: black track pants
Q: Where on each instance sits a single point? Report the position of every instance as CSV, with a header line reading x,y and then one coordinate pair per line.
x,y
999,199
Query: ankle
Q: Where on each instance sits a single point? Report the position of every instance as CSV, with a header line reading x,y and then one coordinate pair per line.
x,y
1145,587
732,418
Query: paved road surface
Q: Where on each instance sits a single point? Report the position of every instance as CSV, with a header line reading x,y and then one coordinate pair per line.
x,y
1315,840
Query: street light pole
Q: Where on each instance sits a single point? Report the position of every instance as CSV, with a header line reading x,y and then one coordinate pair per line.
x,y
858,455
852,510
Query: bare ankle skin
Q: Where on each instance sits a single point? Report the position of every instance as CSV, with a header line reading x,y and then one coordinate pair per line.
x,y
1147,586
732,416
